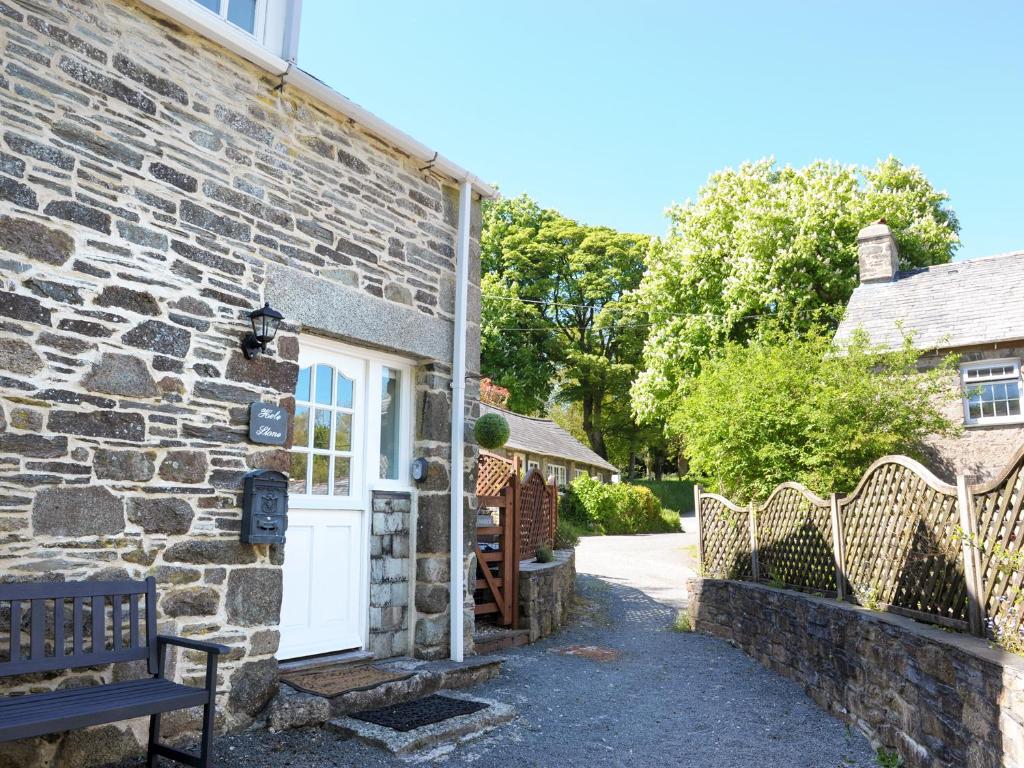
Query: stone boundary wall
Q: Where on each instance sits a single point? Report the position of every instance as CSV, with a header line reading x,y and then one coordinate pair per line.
x,y
939,699
545,593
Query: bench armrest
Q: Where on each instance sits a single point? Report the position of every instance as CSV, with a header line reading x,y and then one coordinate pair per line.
x,y
194,645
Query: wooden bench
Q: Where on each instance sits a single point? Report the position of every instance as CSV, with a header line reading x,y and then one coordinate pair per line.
x,y
107,624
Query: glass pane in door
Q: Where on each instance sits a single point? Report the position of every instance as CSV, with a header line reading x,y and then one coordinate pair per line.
x,y
390,401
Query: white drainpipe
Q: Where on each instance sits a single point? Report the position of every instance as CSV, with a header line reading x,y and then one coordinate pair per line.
x,y
457,569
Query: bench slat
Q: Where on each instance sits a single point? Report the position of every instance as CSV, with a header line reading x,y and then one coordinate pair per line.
x,y
52,589
38,629
40,714
15,631
77,629
58,627
133,617
116,620
99,609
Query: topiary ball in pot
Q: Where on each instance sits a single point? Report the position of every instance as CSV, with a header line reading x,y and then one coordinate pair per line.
x,y
491,431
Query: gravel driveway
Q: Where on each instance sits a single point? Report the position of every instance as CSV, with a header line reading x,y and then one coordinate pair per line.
x,y
669,699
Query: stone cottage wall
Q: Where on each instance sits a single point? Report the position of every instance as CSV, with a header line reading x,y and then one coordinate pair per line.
x,y
940,699
980,451
154,189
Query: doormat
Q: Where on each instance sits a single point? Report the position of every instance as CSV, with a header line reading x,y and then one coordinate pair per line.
x,y
592,652
334,681
416,714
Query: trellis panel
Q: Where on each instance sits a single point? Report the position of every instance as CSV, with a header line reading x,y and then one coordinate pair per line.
x,y
794,539
725,533
901,528
537,510
492,474
998,510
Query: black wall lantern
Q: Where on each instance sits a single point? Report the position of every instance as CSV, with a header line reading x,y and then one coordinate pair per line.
x,y
265,322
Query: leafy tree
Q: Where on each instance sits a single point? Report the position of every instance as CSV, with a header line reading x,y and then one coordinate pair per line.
x,y
518,348
791,406
554,298
777,244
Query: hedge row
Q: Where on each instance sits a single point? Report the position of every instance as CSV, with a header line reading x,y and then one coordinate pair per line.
x,y
614,508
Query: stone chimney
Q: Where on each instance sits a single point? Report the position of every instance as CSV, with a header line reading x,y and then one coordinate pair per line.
x,y
879,257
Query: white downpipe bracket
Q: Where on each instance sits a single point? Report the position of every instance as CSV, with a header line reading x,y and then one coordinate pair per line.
x,y
458,567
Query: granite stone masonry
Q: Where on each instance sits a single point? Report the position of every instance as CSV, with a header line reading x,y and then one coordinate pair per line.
x,y
939,699
545,593
154,189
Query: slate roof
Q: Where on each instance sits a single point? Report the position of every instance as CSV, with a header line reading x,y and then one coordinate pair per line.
x,y
979,301
535,435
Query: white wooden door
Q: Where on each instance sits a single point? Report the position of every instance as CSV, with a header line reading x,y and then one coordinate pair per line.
x,y
326,564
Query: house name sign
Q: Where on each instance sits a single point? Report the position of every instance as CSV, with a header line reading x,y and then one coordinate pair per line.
x,y
268,424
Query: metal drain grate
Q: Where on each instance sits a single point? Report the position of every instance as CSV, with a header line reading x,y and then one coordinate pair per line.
x,y
416,714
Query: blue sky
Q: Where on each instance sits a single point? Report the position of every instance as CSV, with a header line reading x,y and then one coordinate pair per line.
x,y
610,111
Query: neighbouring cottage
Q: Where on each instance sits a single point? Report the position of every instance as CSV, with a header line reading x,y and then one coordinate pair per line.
x,y
542,444
971,308
165,171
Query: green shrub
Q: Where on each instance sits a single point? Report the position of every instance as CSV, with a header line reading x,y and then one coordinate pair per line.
x,y
567,534
615,508
545,555
491,431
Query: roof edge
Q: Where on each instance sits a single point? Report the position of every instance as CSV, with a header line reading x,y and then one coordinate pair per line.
x,y
247,48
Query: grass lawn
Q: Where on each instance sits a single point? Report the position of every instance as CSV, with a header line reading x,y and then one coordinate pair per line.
x,y
674,494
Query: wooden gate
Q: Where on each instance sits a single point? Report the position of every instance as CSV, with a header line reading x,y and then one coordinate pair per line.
x,y
497,540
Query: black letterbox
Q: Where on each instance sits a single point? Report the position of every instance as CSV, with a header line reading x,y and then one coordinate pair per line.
x,y
264,507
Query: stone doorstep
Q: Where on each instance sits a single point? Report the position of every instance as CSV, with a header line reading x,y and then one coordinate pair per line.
x,y
456,729
296,709
427,677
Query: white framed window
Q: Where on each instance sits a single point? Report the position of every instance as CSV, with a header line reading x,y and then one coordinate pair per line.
x,y
353,423
992,392
244,14
578,473
558,472
271,24
532,465
328,399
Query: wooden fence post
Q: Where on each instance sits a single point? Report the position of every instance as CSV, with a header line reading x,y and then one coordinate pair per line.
x,y
755,567
969,551
838,547
700,528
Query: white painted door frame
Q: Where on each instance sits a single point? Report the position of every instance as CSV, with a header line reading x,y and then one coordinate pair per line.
x,y
328,513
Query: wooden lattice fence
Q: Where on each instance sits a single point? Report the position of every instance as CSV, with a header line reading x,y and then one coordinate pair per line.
x,y
903,541
998,546
726,551
497,541
492,474
794,539
901,529
538,513
516,516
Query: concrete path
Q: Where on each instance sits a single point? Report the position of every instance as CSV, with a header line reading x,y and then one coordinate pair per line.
x,y
656,564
